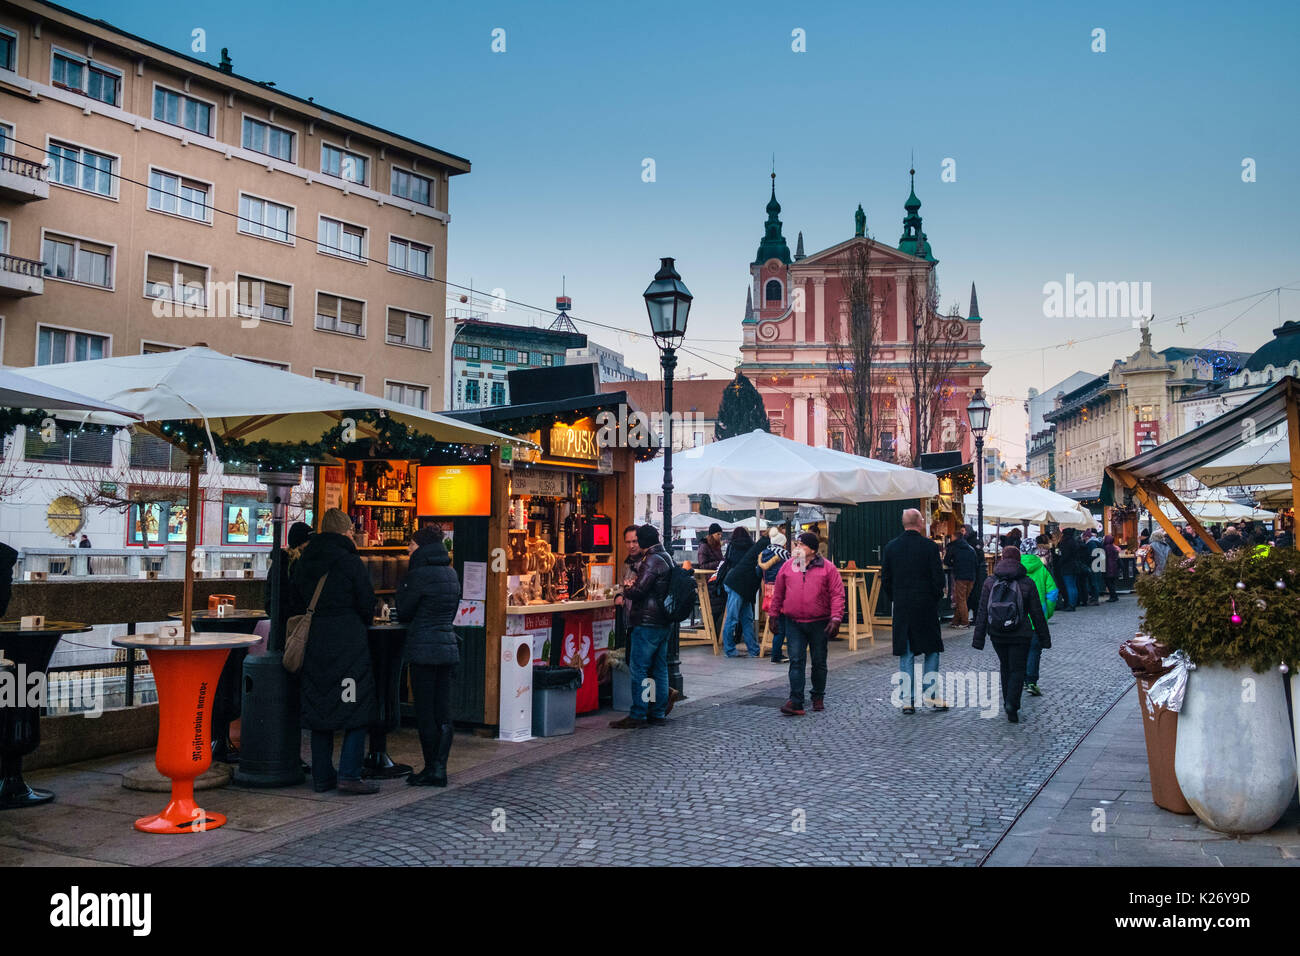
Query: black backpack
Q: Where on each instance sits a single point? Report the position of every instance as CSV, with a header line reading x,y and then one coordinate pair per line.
x,y
679,600
1006,607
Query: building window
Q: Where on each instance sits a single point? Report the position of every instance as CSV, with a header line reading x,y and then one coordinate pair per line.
x,y
523,358
415,395
339,378
341,239
179,196
55,346
498,355
773,293
271,140
96,81
498,393
409,257
471,391
81,169
343,164
410,186
261,217
259,298
172,281
78,260
181,110
6,133
699,439
548,359
336,314
70,447
471,351
408,328
153,348
8,50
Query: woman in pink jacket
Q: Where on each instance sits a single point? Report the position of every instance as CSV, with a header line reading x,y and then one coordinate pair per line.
x,y
810,593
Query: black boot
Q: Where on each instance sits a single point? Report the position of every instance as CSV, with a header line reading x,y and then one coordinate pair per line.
x,y
446,732
430,743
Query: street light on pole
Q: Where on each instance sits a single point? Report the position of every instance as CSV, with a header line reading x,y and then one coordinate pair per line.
x,y
668,303
978,413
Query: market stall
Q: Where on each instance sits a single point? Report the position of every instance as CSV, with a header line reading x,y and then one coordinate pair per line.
x,y
542,555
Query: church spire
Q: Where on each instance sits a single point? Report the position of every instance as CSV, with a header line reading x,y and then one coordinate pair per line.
x,y
913,240
773,245
974,304
749,305
798,248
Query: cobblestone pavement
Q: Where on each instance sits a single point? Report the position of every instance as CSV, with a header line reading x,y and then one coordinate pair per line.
x,y
736,783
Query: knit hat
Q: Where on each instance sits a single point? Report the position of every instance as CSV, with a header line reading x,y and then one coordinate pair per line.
x,y
1011,554
809,539
715,528
299,532
776,538
335,521
427,536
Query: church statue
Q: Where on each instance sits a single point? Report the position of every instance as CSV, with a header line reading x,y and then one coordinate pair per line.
x,y
860,221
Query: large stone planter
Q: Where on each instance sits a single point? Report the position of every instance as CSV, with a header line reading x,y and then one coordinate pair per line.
x,y
1235,760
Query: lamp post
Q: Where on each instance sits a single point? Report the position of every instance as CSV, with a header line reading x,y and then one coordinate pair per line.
x,y
668,303
978,413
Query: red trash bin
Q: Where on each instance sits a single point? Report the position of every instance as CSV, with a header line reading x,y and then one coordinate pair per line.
x,y
1144,657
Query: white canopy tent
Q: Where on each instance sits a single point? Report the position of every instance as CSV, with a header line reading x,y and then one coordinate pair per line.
x,y
697,521
1011,503
18,390
1259,463
744,471
1218,512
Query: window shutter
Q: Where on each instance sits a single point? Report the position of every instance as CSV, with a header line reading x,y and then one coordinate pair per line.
x,y
351,311
397,323
327,304
96,248
193,275
248,293
277,296
160,271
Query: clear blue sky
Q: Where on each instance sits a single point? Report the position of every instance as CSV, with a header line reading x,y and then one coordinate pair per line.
x,y
1122,165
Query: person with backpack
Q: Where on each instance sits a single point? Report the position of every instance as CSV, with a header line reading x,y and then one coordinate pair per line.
x,y
810,595
652,596
1011,614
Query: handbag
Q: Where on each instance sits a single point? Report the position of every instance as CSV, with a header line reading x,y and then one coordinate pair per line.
x,y
297,630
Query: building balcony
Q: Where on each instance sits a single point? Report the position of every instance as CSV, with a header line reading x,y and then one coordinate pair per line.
x,y
22,180
21,277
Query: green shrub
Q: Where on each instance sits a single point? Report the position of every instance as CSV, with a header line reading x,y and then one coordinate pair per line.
x,y
1190,606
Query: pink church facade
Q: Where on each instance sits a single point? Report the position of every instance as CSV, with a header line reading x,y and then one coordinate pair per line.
x,y
797,310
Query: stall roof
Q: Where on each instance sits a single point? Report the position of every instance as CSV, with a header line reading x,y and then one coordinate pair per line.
x,y
1212,440
504,414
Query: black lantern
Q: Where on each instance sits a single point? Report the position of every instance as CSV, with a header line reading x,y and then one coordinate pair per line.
x,y
979,411
668,302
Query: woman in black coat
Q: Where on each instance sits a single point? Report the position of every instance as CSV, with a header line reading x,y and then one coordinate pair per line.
x,y
740,567
1013,648
337,686
427,600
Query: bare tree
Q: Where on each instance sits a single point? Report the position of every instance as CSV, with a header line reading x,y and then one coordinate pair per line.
x,y
129,491
935,345
14,476
855,351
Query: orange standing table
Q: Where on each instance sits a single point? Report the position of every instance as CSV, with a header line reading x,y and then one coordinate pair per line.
x,y
186,672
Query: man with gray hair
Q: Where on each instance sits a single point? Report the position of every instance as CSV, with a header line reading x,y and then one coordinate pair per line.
x,y
913,581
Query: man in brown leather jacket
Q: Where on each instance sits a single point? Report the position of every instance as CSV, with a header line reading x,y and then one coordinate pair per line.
x,y
648,651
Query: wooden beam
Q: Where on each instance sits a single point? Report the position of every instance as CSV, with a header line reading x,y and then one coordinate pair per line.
x,y
1293,440
1192,523
1153,505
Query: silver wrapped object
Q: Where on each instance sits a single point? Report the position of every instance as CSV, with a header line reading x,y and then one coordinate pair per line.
x,y
1168,690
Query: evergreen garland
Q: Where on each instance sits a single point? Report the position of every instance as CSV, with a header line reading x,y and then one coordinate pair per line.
x,y
11,418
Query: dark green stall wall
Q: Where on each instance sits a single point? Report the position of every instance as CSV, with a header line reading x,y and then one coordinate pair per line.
x,y
861,532
470,543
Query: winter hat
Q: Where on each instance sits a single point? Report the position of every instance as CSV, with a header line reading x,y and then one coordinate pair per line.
x,y
299,532
715,528
776,538
809,539
335,521
427,536
1011,554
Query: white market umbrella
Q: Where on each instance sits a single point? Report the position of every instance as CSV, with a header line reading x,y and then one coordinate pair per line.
x,y
741,472
18,390
1212,511
1262,462
236,399
1012,503
696,521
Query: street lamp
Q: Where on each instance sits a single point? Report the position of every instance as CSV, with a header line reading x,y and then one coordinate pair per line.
x,y
978,413
668,303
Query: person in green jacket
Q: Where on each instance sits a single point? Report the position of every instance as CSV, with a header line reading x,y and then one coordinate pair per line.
x,y
1048,593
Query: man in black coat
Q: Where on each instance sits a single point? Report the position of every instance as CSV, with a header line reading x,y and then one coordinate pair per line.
x,y
961,560
337,684
707,558
428,600
1012,647
912,578
8,558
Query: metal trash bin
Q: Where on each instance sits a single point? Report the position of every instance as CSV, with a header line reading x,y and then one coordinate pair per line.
x,y
1144,656
555,700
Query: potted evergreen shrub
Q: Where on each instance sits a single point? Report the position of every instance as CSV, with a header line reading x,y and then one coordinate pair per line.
x,y
1237,618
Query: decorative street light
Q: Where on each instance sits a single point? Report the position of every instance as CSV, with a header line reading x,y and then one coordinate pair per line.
x,y
668,302
978,413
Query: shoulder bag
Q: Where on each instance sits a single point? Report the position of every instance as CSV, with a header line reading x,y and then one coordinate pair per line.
x,y
297,630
